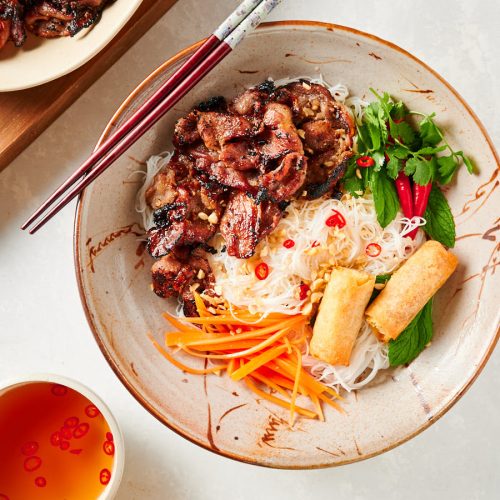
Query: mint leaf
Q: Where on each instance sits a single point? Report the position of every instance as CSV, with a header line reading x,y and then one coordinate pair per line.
x,y
382,278
440,225
447,165
425,171
385,198
430,133
412,341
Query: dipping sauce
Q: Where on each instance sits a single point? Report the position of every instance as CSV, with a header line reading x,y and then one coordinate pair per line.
x,y
54,444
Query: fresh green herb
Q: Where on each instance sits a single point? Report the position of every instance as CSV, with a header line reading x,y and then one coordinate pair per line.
x,y
396,145
381,278
412,341
385,198
440,224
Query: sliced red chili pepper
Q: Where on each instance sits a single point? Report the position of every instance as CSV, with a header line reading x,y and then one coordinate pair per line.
x,y
92,411
104,476
108,447
303,289
289,243
71,422
32,463
365,161
262,271
40,481
109,436
336,220
29,448
315,244
373,250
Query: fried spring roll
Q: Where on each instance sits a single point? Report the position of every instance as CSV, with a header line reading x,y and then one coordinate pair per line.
x,y
340,315
409,289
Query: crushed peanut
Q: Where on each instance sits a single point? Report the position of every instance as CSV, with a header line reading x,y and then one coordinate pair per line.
x,y
316,297
379,286
306,86
213,219
317,284
203,216
194,287
218,290
307,309
201,274
301,133
328,163
358,174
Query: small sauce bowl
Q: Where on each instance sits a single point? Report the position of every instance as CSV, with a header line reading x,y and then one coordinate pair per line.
x,y
57,440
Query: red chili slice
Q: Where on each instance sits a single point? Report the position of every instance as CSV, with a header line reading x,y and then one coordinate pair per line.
x,y
104,476
59,390
64,445
365,161
32,463
336,220
262,271
92,411
71,422
40,481
108,447
303,289
315,244
289,243
66,433
373,250
29,448
81,430
55,438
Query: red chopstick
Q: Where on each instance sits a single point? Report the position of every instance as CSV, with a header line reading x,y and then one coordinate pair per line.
x,y
213,50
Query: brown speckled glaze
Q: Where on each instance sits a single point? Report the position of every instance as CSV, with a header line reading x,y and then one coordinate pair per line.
x,y
221,415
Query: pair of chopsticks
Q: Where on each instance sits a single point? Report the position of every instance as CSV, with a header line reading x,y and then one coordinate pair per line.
x,y
223,40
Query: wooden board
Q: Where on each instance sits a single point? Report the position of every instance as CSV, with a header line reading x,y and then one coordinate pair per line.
x,y
25,114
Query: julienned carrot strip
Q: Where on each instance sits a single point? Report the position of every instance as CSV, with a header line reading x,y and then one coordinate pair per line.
x,y
259,360
296,383
279,380
278,401
307,381
182,366
317,404
328,401
255,374
242,344
179,324
225,320
247,352
230,366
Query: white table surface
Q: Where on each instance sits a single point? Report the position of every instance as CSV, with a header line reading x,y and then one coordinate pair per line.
x,y
43,328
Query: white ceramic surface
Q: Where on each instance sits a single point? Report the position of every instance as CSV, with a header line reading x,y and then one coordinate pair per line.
x,y
43,60
119,456
224,417
43,326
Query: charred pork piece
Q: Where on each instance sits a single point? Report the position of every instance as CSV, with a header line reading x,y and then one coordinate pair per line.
x,y
280,136
242,155
55,18
190,217
186,130
216,103
11,22
217,129
180,273
327,129
245,222
163,189
252,101
286,180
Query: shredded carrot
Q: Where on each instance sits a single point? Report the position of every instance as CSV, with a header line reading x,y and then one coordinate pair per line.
x,y
264,350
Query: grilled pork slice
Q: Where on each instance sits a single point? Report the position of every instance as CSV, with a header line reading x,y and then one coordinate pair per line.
x,y
245,222
180,274
327,129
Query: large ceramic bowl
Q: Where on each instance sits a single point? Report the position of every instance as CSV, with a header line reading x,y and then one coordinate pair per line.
x,y
113,270
42,60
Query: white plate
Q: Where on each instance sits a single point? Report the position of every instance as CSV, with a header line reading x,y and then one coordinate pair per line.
x,y
42,60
